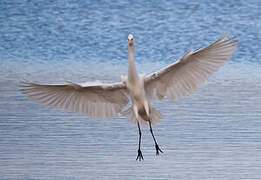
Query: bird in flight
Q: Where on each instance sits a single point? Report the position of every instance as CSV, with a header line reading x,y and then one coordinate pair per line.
x,y
108,100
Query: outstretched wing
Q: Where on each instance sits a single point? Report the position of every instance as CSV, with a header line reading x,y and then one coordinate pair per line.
x,y
190,71
99,101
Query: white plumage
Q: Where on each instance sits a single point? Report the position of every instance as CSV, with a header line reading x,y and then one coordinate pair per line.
x,y
190,71
101,100
108,100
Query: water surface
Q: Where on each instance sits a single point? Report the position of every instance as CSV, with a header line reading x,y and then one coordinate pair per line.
x,y
214,133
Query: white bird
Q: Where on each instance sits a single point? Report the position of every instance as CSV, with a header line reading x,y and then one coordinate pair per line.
x,y
108,100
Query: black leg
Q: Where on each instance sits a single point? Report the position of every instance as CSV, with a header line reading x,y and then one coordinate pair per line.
x,y
156,144
139,156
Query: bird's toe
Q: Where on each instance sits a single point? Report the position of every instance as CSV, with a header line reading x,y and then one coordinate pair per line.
x,y
139,156
158,149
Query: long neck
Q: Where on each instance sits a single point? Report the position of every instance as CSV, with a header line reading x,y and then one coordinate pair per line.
x,y
132,73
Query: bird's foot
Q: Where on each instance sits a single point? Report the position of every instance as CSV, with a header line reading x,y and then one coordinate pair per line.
x,y
158,149
139,156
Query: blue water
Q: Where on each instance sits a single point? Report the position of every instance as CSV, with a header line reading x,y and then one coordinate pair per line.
x,y
214,133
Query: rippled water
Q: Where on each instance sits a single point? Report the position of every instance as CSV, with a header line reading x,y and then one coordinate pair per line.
x,y
214,133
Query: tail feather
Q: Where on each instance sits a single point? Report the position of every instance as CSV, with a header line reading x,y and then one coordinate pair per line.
x,y
155,116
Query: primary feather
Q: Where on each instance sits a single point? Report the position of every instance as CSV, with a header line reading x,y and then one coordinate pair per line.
x,y
190,71
101,101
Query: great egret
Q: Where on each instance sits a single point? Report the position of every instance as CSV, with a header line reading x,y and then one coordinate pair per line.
x,y
108,100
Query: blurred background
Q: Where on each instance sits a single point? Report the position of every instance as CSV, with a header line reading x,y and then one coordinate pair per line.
x,y
214,133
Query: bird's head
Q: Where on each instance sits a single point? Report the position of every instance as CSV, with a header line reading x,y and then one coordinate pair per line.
x,y
130,39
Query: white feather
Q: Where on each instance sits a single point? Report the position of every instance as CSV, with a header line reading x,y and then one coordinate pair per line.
x,y
100,101
190,71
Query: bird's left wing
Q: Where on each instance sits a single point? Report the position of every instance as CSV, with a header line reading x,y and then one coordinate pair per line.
x,y
190,71
98,100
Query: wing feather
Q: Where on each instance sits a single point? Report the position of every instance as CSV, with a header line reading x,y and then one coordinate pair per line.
x,y
190,71
98,101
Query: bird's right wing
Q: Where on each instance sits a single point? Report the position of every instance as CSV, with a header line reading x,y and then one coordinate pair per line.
x,y
99,101
190,71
